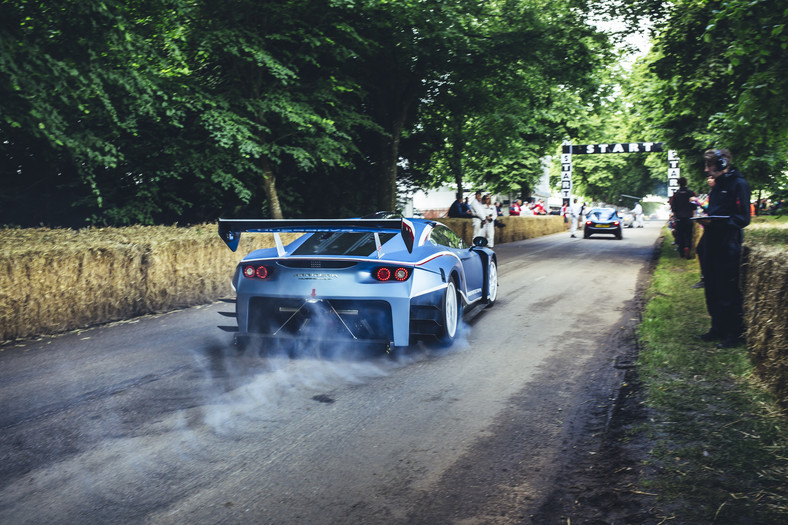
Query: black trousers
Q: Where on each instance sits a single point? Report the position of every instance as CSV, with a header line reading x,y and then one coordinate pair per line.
x,y
683,233
720,263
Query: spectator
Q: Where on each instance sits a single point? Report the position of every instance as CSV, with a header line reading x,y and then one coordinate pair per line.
x,y
729,212
699,249
478,214
488,229
637,211
683,209
459,209
515,208
466,209
573,212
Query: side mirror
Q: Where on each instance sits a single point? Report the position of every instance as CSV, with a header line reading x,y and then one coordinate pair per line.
x,y
480,241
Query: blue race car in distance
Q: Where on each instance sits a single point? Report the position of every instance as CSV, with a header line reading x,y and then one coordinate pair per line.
x,y
381,280
602,220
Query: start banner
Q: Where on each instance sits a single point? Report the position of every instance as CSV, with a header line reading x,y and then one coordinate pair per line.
x,y
613,147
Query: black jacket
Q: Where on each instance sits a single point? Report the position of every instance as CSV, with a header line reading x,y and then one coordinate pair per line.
x,y
731,196
681,205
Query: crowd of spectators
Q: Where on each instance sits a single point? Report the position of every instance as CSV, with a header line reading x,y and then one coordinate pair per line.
x,y
461,208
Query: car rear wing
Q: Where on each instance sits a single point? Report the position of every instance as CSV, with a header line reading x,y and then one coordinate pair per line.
x,y
230,229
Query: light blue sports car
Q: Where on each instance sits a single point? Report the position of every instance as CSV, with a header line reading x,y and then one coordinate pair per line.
x,y
382,280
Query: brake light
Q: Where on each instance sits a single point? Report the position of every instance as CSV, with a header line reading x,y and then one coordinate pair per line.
x,y
256,272
615,223
385,274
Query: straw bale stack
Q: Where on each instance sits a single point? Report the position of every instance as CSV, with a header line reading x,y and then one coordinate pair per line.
x,y
57,280
765,286
517,228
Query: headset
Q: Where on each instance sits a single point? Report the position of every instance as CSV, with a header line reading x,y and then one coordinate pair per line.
x,y
722,163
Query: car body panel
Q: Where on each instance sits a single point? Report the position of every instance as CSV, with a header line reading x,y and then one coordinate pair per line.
x,y
322,285
602,220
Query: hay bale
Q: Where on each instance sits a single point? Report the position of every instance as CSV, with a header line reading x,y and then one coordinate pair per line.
x,y
55,280
516,229
58,280
764,282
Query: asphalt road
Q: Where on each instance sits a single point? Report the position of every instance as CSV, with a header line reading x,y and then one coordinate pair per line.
x,y
159,420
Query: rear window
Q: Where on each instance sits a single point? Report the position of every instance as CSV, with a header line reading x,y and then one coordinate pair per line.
x,y
351,244
602,214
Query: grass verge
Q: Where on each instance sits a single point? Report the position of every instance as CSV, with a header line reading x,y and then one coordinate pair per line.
x,y
720,444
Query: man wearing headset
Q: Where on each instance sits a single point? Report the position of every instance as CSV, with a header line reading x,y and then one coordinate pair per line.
x,y
729,212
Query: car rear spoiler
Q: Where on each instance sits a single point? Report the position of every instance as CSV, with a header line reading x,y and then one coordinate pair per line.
x,y
230,229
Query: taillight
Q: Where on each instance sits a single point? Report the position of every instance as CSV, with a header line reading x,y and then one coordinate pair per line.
x,y
391,274
256,272
615,223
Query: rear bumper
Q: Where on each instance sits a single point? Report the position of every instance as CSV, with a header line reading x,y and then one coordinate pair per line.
x,y
614,230
345,320
393,322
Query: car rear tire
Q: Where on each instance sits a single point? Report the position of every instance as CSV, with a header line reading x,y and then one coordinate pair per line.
x,y
492,283
450,314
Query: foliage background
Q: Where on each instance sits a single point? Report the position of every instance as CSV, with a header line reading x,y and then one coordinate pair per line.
x,y
118,112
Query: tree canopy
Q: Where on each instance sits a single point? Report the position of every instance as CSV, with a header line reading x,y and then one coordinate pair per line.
x,y
162,111
717,76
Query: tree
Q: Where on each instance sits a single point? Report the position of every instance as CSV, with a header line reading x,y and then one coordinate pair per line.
x,y
272,86
512,97
117,112
71,84
719,77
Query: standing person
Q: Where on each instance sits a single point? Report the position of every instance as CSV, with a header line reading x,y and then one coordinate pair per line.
x,y
683,208
573,212
455,210
488,230
637,211
514,209
700,248
465,209
478,214
729,212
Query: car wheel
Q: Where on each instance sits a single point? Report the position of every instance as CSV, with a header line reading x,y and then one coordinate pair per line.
x,y
619,236
492,283
586,235
450,314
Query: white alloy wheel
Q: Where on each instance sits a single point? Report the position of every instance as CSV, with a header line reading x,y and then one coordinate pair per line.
x,y
492,283
451,312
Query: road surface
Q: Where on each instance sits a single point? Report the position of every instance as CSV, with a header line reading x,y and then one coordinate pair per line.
x,y
159,420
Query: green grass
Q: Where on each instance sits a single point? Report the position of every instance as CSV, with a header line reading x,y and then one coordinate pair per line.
x,y
720,451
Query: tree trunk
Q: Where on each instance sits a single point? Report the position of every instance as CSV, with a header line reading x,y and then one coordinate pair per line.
x,y
388,193
456,166
269,186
